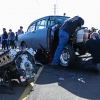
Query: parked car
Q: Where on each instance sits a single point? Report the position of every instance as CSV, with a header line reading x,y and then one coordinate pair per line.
x,y
40,33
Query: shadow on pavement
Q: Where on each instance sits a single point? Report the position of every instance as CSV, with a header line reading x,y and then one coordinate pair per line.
x,y
81,83
18,89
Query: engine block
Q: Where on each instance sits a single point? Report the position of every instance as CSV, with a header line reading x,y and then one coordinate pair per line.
x,y
20,60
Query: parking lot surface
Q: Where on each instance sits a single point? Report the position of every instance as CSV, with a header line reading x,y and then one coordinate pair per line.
x,y
58,84
66,84
18,90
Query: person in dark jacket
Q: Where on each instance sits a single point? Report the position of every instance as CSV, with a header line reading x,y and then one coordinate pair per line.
x,y
12,38
5,39
93,47
65,32
16,39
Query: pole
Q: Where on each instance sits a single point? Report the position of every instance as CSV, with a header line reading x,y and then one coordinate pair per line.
x,y
54,9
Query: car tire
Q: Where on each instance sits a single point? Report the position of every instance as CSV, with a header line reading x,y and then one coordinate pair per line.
x,y
67,58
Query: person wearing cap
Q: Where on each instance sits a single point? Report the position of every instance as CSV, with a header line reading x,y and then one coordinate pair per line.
x,y
92,30
11,38
93,46
65,32
4,39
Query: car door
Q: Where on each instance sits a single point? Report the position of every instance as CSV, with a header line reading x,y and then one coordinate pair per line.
x,y
29,36
40,34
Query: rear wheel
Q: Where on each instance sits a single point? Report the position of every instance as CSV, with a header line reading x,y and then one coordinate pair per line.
x,y
67,57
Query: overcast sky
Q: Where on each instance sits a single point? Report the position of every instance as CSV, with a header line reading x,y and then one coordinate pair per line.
x,y
15,13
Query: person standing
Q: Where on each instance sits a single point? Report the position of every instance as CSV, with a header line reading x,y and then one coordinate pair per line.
x,y
2,42
20,31
16,40
65,32
11,38
5,39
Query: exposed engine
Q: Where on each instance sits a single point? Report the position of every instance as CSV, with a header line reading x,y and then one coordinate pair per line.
x,y
19,64
78,39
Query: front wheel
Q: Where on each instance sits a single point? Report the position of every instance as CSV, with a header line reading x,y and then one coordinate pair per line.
x,y
67,57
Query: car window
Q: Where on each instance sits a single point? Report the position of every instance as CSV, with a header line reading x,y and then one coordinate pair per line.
x,y
51,22
41,24
31,28
56,20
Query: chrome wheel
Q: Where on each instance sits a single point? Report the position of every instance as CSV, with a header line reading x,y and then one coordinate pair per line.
x,y
65,57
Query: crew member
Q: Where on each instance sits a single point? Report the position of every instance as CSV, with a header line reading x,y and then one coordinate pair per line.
x,y
65,32
93,47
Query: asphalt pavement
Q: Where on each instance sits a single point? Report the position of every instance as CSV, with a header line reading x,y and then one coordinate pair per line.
x,y
58,84
66,84
17,89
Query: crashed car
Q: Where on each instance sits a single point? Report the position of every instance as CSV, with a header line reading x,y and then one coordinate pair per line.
x,y
44,33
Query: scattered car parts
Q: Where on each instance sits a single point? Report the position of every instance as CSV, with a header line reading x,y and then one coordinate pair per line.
x,y
16,65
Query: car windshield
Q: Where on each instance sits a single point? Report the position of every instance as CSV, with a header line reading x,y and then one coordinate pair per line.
x,y
56,20
60,20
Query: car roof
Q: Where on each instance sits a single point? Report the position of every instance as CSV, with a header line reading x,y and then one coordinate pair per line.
x,y
48,16
52,16
56,16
